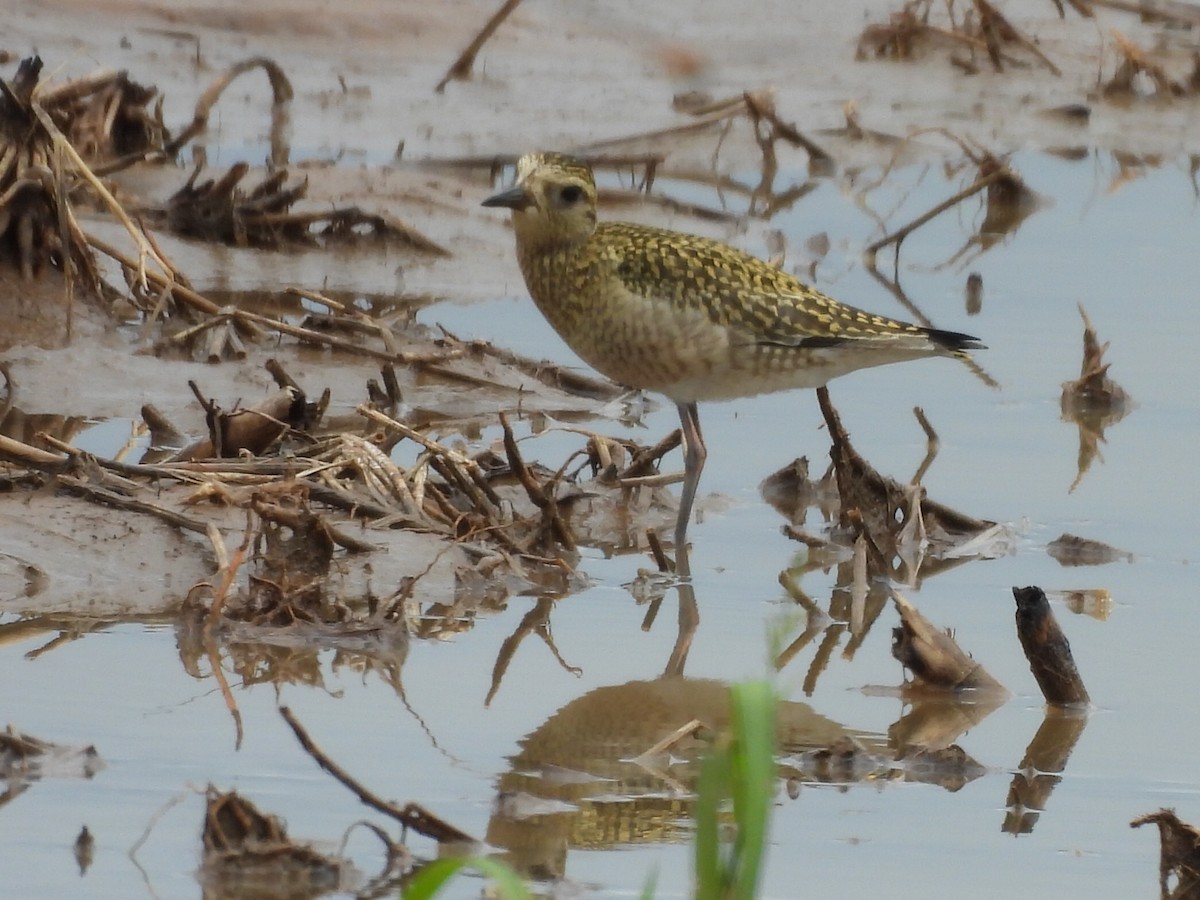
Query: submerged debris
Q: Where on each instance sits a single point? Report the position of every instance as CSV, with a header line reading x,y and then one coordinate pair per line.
x,y
1072,550
1093,396
1093,401
24,758
933,657
219,210
1094,602
247,850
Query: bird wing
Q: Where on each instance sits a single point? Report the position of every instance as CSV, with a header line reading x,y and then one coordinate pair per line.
x,y
738,291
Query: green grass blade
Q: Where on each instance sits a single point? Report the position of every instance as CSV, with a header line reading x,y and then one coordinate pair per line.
x,y
752,769
432,878
651,885
711,789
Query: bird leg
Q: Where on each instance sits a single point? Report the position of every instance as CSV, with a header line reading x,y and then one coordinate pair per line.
x,y
694,454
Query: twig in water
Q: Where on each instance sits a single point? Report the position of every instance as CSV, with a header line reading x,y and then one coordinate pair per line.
x,y
656,550
410,815
683,731
932,444
460,69
901,233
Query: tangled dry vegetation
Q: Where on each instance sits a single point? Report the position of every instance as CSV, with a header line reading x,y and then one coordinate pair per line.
x,y
60,142
277,463
977,33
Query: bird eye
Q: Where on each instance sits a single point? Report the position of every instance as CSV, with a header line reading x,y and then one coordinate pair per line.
x,y
570,194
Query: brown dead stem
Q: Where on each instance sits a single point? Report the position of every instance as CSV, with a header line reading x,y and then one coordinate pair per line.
x,y
542,496
228,572
1047,649
897,236
881,508
646,459
110,497
410,815
282,94
546,372
993,23
656,550
460,69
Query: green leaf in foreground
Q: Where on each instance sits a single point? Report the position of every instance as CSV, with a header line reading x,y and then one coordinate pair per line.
x,y
432,878
741,767
752,764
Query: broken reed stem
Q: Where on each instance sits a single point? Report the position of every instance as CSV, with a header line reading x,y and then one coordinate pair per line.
x,y
254,323
218,544
429,444
336,343
228,573
900,234
683,731
190,297
1047,649
460,69
60,142
656,550
991,19
932,445
120,501
410,815
30,457
933,656
63,215
1168,11
643,460
473,484
234,471
537,493
282,94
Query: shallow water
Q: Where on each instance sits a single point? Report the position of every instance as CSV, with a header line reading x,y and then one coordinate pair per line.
x,y
1127,254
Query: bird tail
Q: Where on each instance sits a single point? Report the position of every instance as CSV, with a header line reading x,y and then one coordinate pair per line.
x,y
954,341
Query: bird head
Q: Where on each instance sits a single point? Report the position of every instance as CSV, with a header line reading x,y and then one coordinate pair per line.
x,y
552,202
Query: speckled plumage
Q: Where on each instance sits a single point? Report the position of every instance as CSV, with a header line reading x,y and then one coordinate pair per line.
x,y
684,315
